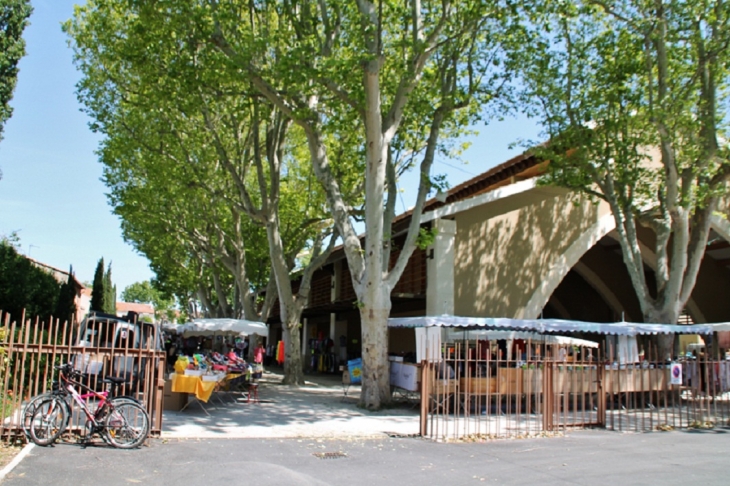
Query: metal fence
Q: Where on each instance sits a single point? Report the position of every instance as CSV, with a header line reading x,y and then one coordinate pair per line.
x,y
32,349
475,392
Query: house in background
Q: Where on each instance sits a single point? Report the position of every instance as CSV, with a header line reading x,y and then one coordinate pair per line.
x,y
82,298
144,312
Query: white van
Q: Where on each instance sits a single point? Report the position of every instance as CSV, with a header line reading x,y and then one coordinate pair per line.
x,y
106,335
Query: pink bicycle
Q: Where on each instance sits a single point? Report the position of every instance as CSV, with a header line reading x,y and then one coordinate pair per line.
x,y
120,421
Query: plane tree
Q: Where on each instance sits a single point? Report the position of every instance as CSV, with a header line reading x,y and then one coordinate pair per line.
x,y
204,128
633,95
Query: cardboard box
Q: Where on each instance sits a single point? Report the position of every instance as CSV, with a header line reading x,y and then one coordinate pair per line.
x,y
171,400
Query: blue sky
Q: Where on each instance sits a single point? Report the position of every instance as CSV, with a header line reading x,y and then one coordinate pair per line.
x,y
51,193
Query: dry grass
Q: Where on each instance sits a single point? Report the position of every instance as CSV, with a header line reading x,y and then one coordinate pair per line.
x,y
7,453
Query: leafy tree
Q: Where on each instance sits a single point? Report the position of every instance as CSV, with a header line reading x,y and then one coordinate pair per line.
x,y
97,292
397,74
146,293
140,292
197,132
13,20
634,96
422,71
25,289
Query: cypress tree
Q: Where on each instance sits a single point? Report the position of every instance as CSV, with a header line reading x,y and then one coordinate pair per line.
x,y
66,307
110,292
97,292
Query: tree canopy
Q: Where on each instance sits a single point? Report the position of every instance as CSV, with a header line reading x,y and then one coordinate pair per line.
x,y
13,20
146,293
633,94
364,84
25,289
103,292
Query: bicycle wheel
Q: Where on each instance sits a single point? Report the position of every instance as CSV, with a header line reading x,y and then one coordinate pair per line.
x,y
29,410
48,421
126,425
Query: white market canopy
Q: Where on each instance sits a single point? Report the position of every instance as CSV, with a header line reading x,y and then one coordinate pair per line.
x,y
490,335
210,327
170,327
553,325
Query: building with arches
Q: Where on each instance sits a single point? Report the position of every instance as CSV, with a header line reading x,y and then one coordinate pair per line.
x,y
508,247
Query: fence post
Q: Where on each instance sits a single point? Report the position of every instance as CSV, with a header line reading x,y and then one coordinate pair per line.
x,y
600,372
549,396
425,396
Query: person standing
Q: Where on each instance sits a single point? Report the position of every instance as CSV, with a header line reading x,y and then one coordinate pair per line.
x,y
258,360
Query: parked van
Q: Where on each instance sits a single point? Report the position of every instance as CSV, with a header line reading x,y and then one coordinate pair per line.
x,y
111,342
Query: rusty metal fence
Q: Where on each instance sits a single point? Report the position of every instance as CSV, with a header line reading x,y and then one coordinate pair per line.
x,y
31,349
473,392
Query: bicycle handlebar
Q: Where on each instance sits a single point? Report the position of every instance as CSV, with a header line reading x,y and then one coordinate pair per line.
x,y
69,370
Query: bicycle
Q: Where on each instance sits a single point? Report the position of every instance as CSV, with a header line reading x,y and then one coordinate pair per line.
x,y
58,391
119,421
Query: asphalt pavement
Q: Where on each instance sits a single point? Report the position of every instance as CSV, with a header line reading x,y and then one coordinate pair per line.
x,y
339,444
584,457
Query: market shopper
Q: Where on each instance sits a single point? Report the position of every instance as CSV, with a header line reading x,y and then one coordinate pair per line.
x,y
258,359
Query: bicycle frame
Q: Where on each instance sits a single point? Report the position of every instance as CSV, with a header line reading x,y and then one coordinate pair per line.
x,y
80,399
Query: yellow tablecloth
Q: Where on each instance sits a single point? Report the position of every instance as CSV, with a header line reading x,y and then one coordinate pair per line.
x,y
193,384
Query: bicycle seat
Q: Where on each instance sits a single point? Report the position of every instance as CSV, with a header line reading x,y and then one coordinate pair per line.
x,y
114,379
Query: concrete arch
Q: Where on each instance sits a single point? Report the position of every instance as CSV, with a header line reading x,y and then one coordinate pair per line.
x,y
564,263
571,259
721,226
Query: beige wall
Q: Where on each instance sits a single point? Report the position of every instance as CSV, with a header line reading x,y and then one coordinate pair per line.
x,y
506,249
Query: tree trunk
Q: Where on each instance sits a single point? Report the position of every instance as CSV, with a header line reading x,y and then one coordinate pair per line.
x,y
293,374
664,342
375,370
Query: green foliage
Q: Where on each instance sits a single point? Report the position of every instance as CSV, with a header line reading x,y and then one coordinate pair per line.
x,y
146,293
140,292
183,149
110,292
426,237
13,20
66,306
634,97
25,287
98,292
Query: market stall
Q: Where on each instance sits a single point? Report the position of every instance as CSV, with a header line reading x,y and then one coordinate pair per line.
x,y
202,370
505,357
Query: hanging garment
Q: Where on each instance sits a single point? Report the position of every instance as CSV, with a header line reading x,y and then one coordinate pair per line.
x,y
280,352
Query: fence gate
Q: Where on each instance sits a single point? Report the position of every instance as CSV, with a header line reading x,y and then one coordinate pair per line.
x,y
32,349
572,395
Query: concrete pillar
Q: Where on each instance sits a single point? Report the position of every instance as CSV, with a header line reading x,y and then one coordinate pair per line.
x,y
440,270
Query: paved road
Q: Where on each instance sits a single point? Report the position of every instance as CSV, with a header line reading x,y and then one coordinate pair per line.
x,y
582,457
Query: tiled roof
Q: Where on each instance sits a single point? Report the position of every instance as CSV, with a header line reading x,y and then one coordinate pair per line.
x,y
58,274
125,307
